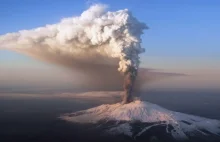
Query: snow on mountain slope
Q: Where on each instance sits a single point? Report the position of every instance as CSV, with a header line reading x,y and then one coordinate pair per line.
x,y
145,112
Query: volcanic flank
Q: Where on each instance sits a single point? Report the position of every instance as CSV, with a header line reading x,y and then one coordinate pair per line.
x,y
138,118
97,36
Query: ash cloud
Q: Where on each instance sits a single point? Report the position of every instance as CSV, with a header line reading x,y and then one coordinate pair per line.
x,y
94,42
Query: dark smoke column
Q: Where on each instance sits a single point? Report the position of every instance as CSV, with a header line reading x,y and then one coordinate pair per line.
x,y
130,74
129,79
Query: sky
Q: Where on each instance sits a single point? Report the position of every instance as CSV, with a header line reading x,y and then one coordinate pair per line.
x,y
183,37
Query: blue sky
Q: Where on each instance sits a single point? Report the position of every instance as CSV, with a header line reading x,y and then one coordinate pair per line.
x,y
182,34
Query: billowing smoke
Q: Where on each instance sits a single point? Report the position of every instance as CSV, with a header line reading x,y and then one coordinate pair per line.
x,y
94,38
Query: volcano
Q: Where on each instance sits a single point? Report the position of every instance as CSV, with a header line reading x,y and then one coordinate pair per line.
x,y
138,120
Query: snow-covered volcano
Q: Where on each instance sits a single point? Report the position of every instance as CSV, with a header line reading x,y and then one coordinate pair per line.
x,y
122,119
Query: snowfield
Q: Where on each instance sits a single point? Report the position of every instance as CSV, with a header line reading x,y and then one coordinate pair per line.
x,y
145,112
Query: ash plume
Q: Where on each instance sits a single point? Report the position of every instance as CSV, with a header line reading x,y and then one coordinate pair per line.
x,y
95,37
